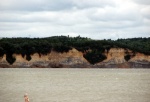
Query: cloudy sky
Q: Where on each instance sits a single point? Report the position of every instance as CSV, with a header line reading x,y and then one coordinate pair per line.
x,y
97,19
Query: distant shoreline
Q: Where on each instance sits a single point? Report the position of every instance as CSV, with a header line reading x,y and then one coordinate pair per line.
x,y
74,52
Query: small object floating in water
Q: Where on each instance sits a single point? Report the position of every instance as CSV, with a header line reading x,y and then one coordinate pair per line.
x,y
26,97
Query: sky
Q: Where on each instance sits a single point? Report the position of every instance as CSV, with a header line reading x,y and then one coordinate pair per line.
x,y
96,19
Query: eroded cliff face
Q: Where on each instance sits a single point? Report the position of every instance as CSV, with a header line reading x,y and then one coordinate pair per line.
x,y
116,59
74,58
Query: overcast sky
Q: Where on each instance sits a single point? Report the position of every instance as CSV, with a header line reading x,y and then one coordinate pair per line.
x,y
97,19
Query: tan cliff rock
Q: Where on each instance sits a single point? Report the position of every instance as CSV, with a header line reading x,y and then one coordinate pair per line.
x,y
115,56
74,58
54,58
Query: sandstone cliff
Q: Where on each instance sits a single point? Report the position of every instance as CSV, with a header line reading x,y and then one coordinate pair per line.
x,y
75,59
115,58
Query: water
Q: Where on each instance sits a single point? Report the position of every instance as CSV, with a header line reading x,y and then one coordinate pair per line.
x,y
75,85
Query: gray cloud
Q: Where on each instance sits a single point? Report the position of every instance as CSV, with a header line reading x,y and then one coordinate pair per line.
x,y
51,5
35,5
97,19
145,2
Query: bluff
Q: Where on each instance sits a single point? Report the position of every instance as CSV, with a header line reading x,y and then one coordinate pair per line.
x,y
115,58
75,52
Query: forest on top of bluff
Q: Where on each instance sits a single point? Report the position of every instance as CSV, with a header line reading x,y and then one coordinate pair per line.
x,y
93,49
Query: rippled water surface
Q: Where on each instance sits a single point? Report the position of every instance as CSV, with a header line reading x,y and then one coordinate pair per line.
x,y
75,85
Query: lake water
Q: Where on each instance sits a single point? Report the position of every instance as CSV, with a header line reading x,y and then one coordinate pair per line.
x,y
75,85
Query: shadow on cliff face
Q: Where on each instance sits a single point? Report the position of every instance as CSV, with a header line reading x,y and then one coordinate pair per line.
x,y
4,66
128,65
55,65
137,64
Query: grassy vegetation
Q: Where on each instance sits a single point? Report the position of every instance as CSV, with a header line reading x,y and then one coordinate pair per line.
x,y
93,49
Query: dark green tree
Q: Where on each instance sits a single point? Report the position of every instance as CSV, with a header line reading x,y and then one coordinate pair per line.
x,y
94,57
127,57
10,59
1,52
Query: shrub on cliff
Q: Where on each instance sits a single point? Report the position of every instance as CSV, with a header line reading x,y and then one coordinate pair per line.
x,y
10,59
94,57
28,57
127,57
61,48
1,51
